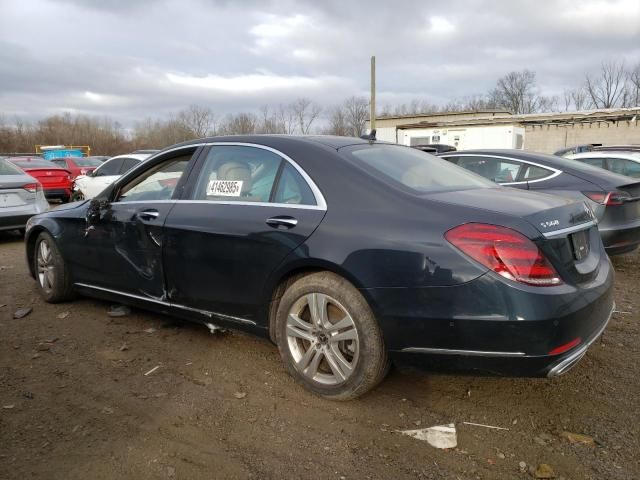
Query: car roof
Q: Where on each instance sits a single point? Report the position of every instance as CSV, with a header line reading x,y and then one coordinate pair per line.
x,y
331,141
565,164
607,154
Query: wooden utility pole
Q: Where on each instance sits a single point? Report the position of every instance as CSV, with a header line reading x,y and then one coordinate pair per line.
x,y
372,106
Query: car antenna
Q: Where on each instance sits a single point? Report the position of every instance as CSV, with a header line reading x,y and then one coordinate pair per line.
x,y
371,136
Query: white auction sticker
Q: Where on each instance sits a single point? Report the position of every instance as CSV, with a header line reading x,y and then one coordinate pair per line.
x,y
224,188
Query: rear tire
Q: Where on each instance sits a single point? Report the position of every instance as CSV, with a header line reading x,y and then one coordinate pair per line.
x,y
52,274
328,337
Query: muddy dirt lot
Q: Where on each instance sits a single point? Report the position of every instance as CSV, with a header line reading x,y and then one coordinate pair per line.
x,y
75,403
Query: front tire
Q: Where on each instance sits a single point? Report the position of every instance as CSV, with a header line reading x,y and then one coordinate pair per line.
x,y
77,196
329,338
52,274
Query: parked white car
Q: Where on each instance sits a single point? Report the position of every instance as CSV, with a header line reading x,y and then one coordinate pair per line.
x,y
624,163
88,186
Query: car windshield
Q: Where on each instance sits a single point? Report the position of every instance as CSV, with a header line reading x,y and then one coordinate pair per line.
x,y
7,168
35,163
87,162
419,171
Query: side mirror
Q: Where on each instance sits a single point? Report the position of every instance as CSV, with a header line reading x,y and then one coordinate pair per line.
x,y
94,211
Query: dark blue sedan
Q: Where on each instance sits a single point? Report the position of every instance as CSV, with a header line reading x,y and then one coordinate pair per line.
x,y
348,254
614,198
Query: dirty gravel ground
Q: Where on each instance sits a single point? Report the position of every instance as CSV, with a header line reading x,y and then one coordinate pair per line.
x,y
80,405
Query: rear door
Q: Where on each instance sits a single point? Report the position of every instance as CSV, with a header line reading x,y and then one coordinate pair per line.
x,y
245,209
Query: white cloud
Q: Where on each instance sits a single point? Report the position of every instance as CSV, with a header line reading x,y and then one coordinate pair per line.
x,y
440,26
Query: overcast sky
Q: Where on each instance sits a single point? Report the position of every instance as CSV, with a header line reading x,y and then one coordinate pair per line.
x,y
131,59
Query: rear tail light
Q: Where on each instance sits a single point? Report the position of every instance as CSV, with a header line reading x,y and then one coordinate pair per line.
x,y
608,198
32,187
506,252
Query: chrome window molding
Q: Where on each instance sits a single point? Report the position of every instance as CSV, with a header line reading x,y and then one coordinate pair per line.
x,y
157,301
321,203
225,202
555,171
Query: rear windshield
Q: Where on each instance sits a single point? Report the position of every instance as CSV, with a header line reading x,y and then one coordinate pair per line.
x,y
35,164
7,168
412,168
87,162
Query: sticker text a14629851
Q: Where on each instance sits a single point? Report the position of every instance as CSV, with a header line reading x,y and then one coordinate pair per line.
x,y
224,188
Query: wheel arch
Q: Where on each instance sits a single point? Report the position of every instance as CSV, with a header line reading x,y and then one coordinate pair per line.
x,y
30,240
283,278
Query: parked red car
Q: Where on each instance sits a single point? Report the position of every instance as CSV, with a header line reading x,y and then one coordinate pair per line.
x,y
77,165
56,181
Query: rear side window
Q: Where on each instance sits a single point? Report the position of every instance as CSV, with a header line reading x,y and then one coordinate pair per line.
x,y
7,168
292,188
495,169
111,167
536,173
625,167
237,173
419,171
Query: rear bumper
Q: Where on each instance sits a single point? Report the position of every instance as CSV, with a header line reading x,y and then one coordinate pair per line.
x,y
489,326
621,240
57,192
14,218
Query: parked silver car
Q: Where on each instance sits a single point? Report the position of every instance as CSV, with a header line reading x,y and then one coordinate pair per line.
x,y
21,197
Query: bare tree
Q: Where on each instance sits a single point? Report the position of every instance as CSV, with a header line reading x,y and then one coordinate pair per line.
x,y
239,124
606,89
356,111
516,91
634,86
270,121
580,98
338,122
305,113
198,120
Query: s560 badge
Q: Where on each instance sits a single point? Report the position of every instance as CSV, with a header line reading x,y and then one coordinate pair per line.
x,y
550,223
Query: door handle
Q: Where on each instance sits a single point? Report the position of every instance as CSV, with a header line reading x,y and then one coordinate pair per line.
x,y
148,214
287,222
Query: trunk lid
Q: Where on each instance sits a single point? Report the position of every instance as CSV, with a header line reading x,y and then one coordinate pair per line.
x,y
12,193
50,176
570,238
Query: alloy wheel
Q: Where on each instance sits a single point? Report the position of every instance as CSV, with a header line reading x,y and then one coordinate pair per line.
x,y
322,339
45,266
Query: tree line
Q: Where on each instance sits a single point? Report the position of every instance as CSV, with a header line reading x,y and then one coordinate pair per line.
x,y
612,86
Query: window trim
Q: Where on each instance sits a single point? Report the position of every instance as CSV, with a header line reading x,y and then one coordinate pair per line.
x,y
555,171
321,204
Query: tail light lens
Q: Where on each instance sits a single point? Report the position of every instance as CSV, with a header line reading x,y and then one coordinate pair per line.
x,y
506,252
608,198
32,187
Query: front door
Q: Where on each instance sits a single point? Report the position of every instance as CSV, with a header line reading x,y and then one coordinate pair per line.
x,y
126,234
245,210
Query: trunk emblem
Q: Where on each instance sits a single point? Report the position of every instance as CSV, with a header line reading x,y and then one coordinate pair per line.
x,y
550,223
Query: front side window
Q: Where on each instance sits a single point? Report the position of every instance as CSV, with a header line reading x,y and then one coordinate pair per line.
x,y
158,183
411,168
237,173
596,162
112,167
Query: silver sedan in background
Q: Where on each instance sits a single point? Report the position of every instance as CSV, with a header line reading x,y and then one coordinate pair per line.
x,y
21,197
